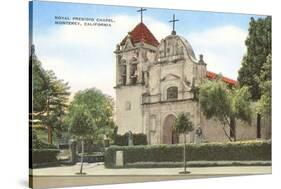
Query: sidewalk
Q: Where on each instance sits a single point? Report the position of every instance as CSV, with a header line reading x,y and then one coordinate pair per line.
x,y
97,174
96,169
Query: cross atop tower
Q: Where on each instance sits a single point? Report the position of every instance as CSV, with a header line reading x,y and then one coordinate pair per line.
x,y
141,10
174,24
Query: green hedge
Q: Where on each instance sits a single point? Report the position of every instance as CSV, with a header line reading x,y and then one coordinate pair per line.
x,y
238,151
197,164
42,153
138,139
40,156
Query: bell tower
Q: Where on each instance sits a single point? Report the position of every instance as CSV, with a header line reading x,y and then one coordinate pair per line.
x,y
134,54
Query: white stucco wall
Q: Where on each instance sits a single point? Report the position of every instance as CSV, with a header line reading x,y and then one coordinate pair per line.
x,y
129,119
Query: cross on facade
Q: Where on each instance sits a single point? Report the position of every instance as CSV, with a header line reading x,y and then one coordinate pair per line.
x,y
174,21
141,10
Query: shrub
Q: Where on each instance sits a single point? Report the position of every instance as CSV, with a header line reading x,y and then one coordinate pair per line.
x,y
236,151
121,140
138,139
40,156
41,152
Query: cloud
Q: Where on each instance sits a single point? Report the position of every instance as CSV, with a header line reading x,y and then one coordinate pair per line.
x,y
223,48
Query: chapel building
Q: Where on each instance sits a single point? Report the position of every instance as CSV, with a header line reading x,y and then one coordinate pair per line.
x,y
155,81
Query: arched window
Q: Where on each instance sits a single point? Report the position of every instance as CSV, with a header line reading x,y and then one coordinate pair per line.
x,y
172,93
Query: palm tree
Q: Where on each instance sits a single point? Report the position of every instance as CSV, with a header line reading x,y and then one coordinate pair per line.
x,y
183,125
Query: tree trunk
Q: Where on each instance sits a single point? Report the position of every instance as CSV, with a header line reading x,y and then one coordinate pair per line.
x,y
229,138
258,125
233,129
226,121
82,157
49,127
184,153
50,141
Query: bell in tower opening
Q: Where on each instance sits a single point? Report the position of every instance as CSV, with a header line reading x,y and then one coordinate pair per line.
x,y
134,74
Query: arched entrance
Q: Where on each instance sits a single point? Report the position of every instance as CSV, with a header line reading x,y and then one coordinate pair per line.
x,y
169,135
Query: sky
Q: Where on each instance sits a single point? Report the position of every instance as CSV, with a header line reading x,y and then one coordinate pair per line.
x,y
83,55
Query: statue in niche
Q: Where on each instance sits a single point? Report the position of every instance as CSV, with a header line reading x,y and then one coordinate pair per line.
x,y
129,136
198,135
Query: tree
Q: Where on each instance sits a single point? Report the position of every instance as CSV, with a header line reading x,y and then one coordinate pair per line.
x,y
82,125
49,96
225,104
37,86
183,125
258,45
100,107
57,95
264,103
90,117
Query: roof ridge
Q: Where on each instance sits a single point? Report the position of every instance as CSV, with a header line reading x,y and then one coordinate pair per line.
x,y
213,75
141,33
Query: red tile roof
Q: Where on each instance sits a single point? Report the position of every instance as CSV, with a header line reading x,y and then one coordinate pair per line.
x,y
212,76
141,34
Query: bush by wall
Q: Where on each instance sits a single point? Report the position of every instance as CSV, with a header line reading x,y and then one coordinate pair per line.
x,y
236,151
120,140
138,139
